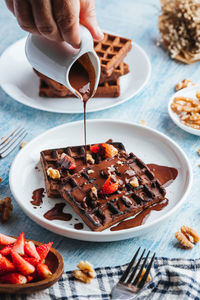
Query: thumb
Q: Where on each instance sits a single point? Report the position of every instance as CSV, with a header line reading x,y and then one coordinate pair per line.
x,y
89,20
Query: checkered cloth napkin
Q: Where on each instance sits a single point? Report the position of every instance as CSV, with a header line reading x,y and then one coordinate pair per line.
x,y
173,279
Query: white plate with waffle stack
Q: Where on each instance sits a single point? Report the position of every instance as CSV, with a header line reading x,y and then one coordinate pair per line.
x,y
19,81
148,144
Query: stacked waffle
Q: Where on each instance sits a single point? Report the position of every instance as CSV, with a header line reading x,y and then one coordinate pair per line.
x,y
111,186
111,52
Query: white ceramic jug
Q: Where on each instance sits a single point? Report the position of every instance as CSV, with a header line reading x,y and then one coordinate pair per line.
x,y
56,59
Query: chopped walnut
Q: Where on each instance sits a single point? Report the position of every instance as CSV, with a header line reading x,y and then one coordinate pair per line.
x,y
143,122
90,159
119,162
183,84
90,171
134,182
53,173
86,272
5,208
23,144
93,193
142,274
187,237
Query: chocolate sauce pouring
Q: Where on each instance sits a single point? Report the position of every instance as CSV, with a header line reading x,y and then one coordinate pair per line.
x,y
166,175
82,79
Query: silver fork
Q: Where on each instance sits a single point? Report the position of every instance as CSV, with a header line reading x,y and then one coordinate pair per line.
x,y
130,282
8,143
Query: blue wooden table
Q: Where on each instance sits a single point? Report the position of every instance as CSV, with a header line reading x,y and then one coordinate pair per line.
x,y
138,21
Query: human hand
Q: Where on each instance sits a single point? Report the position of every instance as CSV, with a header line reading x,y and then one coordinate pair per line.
x,y
56,20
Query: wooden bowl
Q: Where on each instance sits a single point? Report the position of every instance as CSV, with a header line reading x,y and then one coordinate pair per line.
x,y
55,263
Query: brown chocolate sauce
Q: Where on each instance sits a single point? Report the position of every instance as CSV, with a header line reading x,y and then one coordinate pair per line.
x,y
78,226
37,197
141,217
166,175
82,79
56,213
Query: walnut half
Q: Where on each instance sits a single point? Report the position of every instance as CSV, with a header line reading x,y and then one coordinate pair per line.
x,y
5,208
86,272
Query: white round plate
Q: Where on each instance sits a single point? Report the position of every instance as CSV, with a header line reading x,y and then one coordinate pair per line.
x,y
19,81
187,92
148,144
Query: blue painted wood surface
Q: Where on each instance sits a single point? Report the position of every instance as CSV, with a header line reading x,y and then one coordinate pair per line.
x,y
138,21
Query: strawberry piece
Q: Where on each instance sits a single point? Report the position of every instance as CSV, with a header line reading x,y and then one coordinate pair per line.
x,y
43,250
29,278
31,251
109,150
43,271
6,240
19,244
33,261
6,250
67,162
6,265
13,278
95,148
21,264
110,186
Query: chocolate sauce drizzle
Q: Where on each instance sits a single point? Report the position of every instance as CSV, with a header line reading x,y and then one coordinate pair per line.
x,y
56,213
37,197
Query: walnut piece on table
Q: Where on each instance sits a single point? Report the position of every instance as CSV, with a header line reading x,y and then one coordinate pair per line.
x,y
5,209
187,237
86,272
183,84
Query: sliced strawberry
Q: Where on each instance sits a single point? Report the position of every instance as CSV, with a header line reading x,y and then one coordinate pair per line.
x,y
95,148
43,271
6,240
31,251
110,186
14,278
21,264
43,250
67,162
109,150
29,278
19,244
6,250
6,265
33,261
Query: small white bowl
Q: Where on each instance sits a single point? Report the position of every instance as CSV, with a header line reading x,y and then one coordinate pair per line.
x,y
187,92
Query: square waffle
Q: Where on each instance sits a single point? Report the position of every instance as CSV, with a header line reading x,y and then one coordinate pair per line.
x,y
105,210
111,51
107,89
52,159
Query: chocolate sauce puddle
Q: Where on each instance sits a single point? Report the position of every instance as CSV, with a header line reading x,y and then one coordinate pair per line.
x,y
56,213
82,79
166,175
37,196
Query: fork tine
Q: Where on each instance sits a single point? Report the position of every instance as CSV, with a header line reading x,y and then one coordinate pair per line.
x,y
135,269
140,272
4,140
13,145
144,278
10,140
126,272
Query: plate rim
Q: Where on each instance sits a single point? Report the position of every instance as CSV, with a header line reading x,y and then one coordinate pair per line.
x,y
103,234
174,116
18,98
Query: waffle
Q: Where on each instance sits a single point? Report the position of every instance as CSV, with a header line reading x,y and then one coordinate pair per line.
x,y
120,70
50,159
111,51
107,89
103,211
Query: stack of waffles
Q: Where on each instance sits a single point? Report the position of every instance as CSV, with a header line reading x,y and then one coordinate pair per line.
x,y
109,186
111,52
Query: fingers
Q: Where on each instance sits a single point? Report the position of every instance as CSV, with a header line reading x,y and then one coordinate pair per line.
x,y
89,20
66,16
10,6
44,21
23,13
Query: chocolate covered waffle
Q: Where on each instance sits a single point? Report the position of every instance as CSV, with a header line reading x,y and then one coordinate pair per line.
x,y
60,163
115,189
